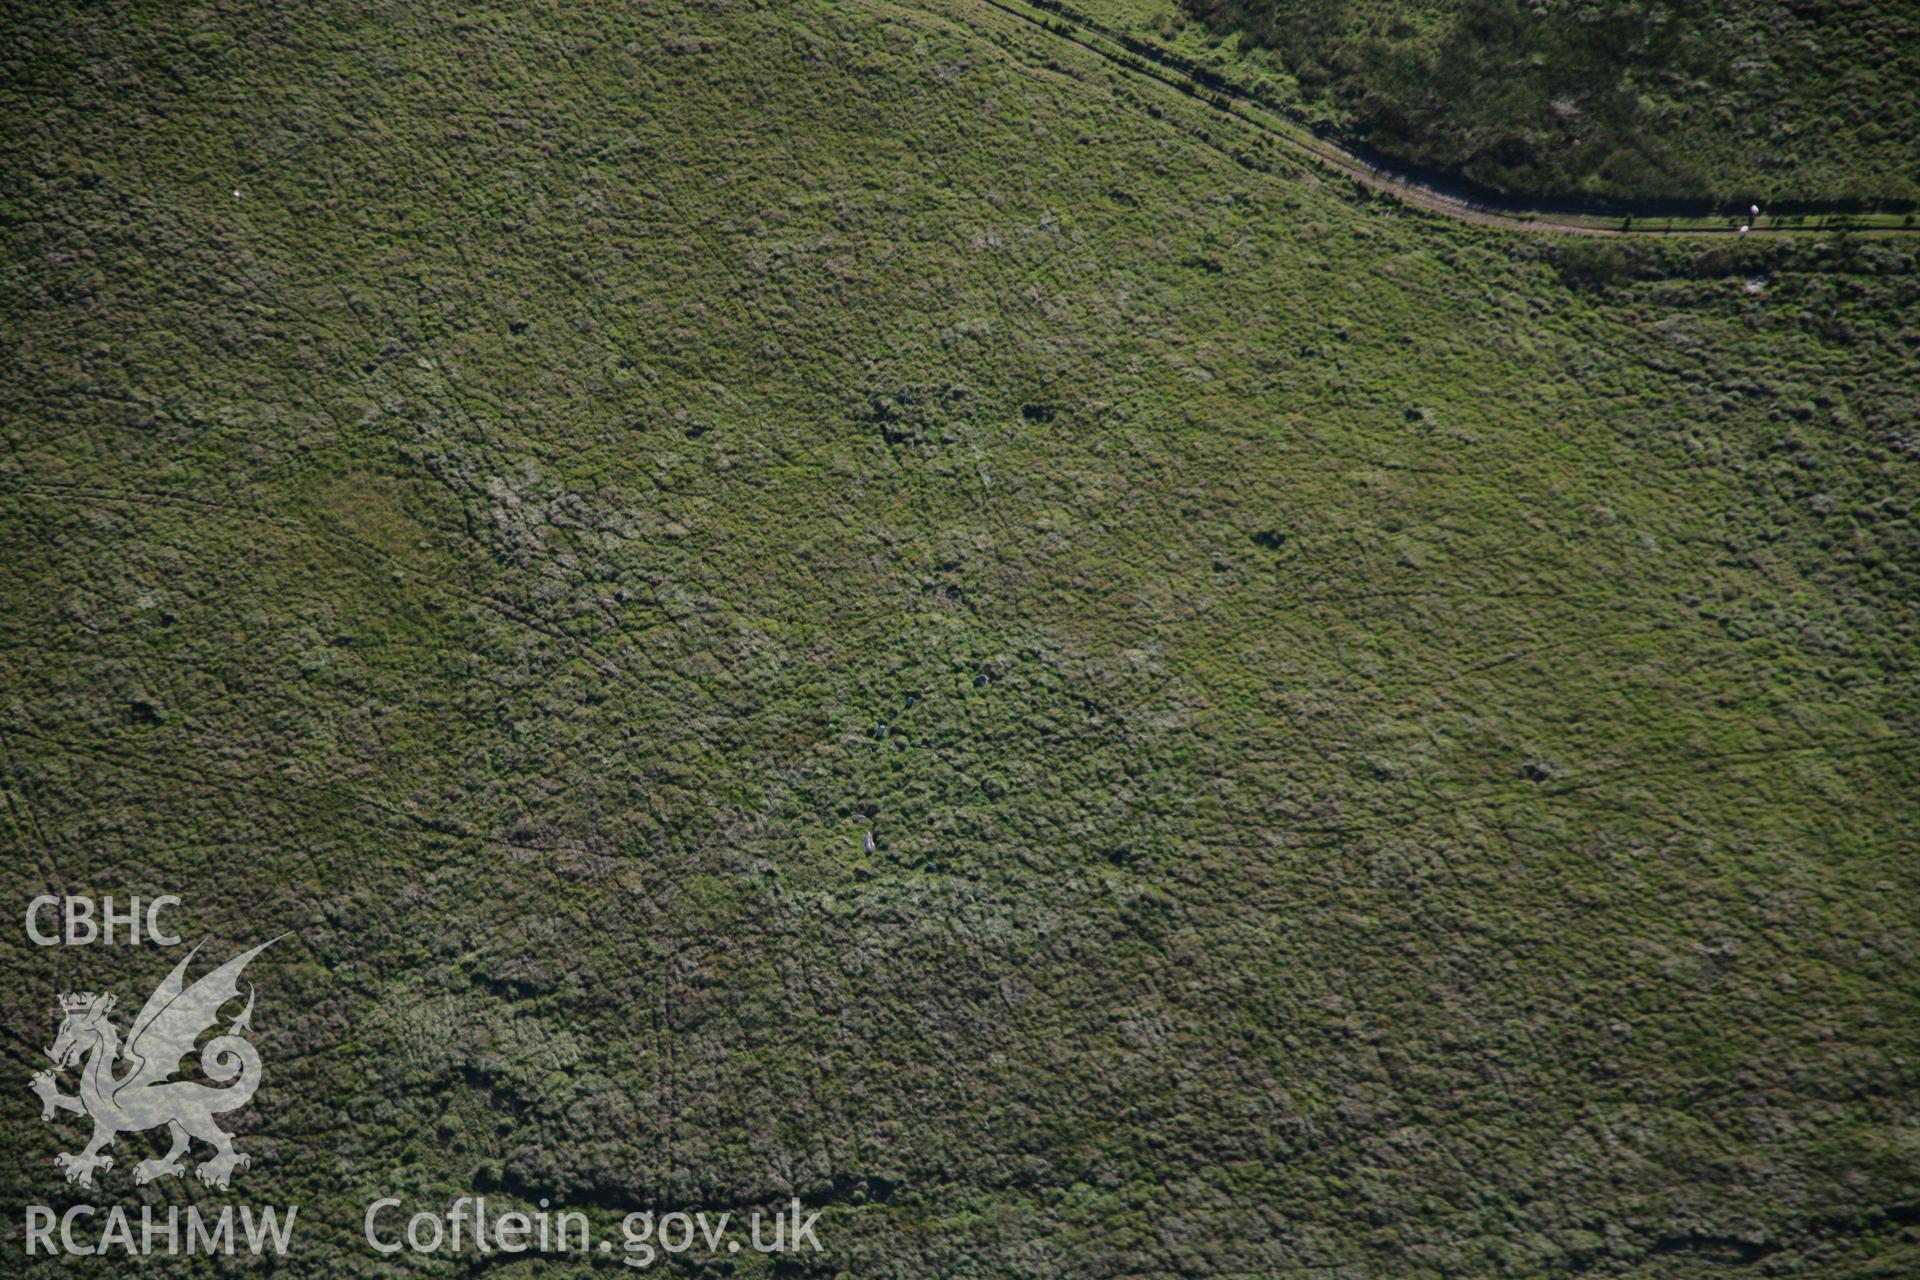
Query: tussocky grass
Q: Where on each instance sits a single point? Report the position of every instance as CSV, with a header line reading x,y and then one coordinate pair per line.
x,y
1389,744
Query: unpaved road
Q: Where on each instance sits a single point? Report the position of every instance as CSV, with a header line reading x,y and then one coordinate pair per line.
x,y
1485,209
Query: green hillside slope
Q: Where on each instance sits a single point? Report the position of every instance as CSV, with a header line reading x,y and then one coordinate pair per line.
x,y
1389,746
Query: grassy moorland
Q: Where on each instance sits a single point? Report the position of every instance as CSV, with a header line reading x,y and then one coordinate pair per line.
x,y
1390,746
1810,102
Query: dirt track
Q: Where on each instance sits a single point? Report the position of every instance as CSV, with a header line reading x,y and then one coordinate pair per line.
x,y
1483,208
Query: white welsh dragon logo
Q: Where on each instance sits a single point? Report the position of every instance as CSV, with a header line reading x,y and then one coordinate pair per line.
x,y
145,1096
